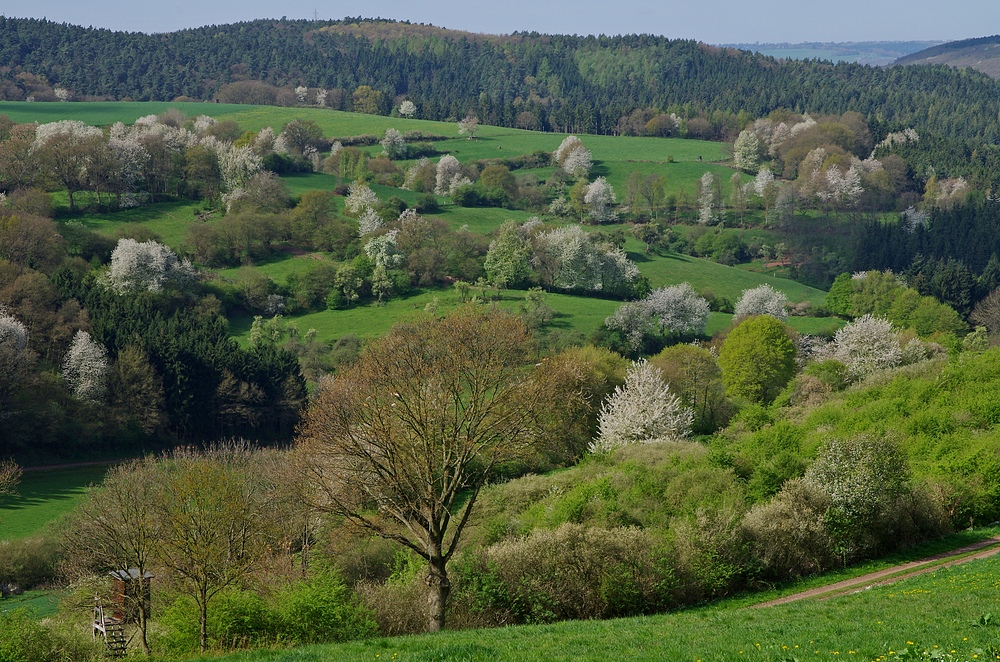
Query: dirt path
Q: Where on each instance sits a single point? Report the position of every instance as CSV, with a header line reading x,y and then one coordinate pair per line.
x,y
979,550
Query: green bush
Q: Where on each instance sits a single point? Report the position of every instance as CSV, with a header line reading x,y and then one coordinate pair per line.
x,y
29,562
24,639
322,609
573,572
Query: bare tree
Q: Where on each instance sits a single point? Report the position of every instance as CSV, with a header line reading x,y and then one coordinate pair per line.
x,y
10,475
117,528
402,442
212,522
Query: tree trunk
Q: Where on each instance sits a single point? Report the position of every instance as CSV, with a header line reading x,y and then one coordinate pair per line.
x,y
142,626
204,618
438,588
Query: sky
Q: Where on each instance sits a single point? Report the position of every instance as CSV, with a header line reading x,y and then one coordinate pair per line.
x,y
711,21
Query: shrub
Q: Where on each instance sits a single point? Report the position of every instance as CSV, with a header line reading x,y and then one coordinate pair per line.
x,y
758,359
323,609
789,534
24,639
573,572
29,562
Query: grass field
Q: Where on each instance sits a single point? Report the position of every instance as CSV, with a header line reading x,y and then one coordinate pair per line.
x,y
681,161
939,613
41,604
44,496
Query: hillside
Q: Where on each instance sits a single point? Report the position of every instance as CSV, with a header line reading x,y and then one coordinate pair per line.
x,y
982,54
549,82
876,53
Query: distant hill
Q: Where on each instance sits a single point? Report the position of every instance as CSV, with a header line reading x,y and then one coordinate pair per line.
x,y
562,83
877,53
982,54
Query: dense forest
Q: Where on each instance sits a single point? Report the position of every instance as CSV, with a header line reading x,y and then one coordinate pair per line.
x,y
549,82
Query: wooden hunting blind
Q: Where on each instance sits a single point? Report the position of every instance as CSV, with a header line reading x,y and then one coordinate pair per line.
x,y
129,591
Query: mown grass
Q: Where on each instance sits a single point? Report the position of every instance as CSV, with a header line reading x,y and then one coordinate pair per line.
x,y
44,496
41,604
939,612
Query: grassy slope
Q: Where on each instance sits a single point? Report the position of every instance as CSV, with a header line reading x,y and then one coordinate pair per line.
x,y
939,611
44,496
614,157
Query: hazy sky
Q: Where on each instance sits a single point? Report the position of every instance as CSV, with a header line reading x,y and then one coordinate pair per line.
x,y
713,21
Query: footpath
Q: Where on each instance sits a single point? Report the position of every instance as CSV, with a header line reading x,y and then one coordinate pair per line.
x,y
975,551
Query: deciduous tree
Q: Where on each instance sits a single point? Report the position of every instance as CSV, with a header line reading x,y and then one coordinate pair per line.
x,y
402,442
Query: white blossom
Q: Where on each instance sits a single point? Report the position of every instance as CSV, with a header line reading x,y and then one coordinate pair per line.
x,y
74,128
746,151
202,123
578,162
707,200
568,144
412,172
61,93
634,320
359,197
868,345
238,165
600,197
369,221
407,108
13,332
761,300
382,250
393,144
85,367
263,142
643,410
762,181
301,92
679,309
321,95
448,169
147,265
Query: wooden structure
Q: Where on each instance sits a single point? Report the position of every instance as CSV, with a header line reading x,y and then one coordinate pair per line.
x,y
111,629
129,594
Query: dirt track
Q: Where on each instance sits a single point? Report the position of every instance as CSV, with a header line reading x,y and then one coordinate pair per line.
x,y
979,550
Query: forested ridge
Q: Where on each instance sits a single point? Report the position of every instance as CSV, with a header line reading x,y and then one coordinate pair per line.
x,y
551,82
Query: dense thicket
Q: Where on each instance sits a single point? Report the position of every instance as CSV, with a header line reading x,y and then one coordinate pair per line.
x,y
569,83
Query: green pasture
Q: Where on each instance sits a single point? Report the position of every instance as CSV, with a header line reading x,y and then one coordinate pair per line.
x,y
44,496
169,220
940,612
41,604
104,113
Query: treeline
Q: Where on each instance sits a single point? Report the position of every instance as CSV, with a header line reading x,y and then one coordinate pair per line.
x,y
549,82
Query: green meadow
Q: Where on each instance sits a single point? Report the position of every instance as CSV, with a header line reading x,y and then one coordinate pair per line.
x,y
44,496
682,162
937,616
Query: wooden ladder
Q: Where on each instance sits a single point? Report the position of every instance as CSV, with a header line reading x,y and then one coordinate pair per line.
x,y
111,629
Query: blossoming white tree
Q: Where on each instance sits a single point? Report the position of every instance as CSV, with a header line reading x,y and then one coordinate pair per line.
x,y
369,221
642,410
407,108
599,198
393,144
708,200
578,162
85,367
746,151
679,309
147,265
359,197
868,345
762,300
449,171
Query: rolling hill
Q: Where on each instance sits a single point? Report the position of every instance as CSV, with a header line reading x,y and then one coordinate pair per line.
x,y
982,54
